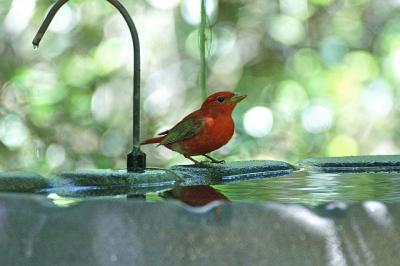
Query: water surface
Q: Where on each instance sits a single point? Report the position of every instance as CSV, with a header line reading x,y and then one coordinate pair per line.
x,y
300,187
316,188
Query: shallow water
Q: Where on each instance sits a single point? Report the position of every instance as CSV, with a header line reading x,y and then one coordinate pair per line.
x,y
300,187
316,188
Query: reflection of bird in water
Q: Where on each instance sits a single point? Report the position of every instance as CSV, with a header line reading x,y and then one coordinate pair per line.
x,y
204,130
195,195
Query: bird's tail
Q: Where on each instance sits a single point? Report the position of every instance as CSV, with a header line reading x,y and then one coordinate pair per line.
x,y
153,140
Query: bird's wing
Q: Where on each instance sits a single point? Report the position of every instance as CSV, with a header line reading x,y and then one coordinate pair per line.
x,y
185,129
164,132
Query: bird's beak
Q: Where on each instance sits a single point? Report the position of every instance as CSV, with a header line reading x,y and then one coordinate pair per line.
x,y
237,98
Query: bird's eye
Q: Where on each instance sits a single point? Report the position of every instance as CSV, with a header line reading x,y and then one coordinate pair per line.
x,y
221,99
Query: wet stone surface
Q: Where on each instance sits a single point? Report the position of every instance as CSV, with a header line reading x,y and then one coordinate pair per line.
x,y
130,232
371,163
115,182
22,182
217,173
183,174
107,177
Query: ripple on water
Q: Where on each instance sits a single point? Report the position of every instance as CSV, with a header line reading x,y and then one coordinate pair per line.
x,y
317,188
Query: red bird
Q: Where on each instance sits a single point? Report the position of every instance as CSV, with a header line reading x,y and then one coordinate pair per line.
x,y
204,130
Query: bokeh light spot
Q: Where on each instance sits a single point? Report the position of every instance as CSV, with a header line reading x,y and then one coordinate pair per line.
x,y
13,132
292,97
317,118
306,62
102,103
55,155
112,143
40,84
65,20
286,29
258,121
342,145
159,101
109,55
19,15
333,50
377,100
361,65
296,8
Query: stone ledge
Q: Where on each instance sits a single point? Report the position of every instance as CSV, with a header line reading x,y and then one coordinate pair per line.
x,y
104,182
165,178
108,177
234,171
22,182
111,182
370,163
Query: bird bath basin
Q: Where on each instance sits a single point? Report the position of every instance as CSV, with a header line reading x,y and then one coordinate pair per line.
x,y
255,213
329,211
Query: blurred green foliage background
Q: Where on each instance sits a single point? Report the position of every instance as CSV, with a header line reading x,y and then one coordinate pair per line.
x,y
322,78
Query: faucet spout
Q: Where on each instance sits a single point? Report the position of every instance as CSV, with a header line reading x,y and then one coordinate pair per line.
x,y
136,160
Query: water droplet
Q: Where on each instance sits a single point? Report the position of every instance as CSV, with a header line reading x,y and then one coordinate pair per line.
x,y
35,47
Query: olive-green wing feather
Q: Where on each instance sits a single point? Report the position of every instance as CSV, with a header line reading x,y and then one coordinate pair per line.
x,y
164,132
183,130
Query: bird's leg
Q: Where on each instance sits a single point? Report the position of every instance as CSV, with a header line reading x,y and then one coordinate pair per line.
x,y
212,159
193,160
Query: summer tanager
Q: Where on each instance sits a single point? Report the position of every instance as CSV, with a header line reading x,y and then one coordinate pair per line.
x,y
204,130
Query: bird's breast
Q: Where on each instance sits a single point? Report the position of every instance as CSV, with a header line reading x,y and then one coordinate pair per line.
x,y
216,133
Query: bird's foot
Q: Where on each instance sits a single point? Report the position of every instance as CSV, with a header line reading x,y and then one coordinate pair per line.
x,y
214,160
217,161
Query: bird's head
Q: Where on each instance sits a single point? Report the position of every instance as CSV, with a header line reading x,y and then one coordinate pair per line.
x,y
222,102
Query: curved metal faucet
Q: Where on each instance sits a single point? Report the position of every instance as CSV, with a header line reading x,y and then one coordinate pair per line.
x,y
136,160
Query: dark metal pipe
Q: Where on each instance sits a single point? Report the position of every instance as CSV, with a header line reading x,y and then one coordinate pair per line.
x,y
136,161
